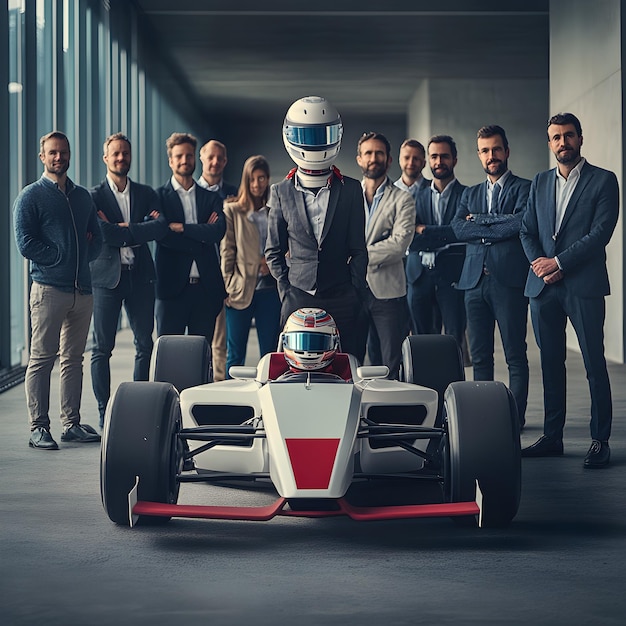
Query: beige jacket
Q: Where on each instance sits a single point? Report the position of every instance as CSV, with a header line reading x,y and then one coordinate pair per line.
x,y
240,256
388,236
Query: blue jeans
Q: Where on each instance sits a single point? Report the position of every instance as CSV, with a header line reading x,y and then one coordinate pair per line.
x,y
137,296
265,309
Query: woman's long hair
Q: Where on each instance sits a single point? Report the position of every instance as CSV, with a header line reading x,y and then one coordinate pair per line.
x,y
244,197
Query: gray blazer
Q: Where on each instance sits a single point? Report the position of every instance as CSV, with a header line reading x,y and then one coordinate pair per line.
x,y
292,251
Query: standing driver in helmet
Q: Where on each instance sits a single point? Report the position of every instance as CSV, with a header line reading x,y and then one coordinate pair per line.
x,y
316,224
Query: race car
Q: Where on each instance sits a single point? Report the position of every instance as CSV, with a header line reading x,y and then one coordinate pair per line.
x,y
313,435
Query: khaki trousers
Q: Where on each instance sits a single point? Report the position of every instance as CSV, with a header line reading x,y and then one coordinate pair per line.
x,y
60,324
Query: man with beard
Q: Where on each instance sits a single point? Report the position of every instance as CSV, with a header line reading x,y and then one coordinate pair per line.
x,y
572,212
123,274
389,227
435,255
214,158
494,273
190,288
56,228
412,160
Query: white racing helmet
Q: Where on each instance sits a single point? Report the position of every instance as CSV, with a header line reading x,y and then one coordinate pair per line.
x,y
312,133
310,339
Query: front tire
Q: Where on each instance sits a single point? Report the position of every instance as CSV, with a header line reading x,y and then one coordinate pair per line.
x,y
182,360
482,444
432,361
140,440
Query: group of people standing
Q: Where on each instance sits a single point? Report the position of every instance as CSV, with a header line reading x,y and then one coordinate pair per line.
x,y
383,258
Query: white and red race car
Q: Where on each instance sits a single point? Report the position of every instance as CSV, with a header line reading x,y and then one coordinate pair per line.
x,y
313,435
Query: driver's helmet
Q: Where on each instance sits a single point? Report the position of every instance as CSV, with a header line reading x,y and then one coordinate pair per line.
x,y
312,133
310,339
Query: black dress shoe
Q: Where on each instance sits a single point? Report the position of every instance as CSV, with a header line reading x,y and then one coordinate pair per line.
x,y
544,446
42,439
598,456
80,433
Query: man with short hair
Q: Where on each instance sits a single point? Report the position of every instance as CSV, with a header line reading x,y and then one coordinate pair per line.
x,y
389,228
412,160
190,288
494,273
436,256
57,230
124,273
214,158
572,212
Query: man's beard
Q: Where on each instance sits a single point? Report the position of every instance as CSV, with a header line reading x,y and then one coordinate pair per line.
x,y
374,172
442,173
121,170
568,156
502,166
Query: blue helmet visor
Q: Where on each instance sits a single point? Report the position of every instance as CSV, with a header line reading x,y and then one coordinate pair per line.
x,y
308,342
313,136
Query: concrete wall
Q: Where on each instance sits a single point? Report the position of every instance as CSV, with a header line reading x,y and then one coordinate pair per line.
x,y
586,79
460,107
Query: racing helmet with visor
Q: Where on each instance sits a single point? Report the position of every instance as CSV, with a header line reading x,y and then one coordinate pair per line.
x,y
312,133
310,339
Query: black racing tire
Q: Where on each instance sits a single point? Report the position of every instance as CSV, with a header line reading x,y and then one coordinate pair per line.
x,y
140,439
432,361
482,444
182,360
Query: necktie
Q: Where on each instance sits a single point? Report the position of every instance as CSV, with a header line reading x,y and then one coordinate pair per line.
x,y
495,198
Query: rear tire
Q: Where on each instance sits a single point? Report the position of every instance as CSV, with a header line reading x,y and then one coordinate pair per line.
x,y
482,444
432,361
140,440
182,360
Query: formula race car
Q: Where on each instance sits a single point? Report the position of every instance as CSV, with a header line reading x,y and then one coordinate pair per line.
x,y
314,435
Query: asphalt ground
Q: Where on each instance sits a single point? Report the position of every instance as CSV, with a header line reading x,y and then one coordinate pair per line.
x,y
62,562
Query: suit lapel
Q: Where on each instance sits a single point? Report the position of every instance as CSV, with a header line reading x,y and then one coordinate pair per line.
x,y
296,199
176,212
335,190
135,216
113,210
549,200
372,226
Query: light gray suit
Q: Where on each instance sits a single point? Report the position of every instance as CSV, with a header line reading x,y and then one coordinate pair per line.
x,y
388,234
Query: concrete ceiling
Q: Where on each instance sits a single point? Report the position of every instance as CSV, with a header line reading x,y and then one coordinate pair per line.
x,y
243,59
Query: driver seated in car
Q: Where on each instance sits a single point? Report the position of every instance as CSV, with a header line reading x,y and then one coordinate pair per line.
x,y
310,342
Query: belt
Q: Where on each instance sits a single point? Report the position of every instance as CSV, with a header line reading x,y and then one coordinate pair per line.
x,y
194,281
126,267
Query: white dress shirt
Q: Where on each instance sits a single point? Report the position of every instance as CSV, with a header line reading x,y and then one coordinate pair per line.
x,y
127,256
188,199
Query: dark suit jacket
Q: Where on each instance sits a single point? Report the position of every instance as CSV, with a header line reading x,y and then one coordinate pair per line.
x,y
587,226
493,240
105,270
176,251
340,258
435,238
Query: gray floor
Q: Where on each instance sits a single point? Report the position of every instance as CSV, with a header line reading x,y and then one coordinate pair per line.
x,y
63,562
